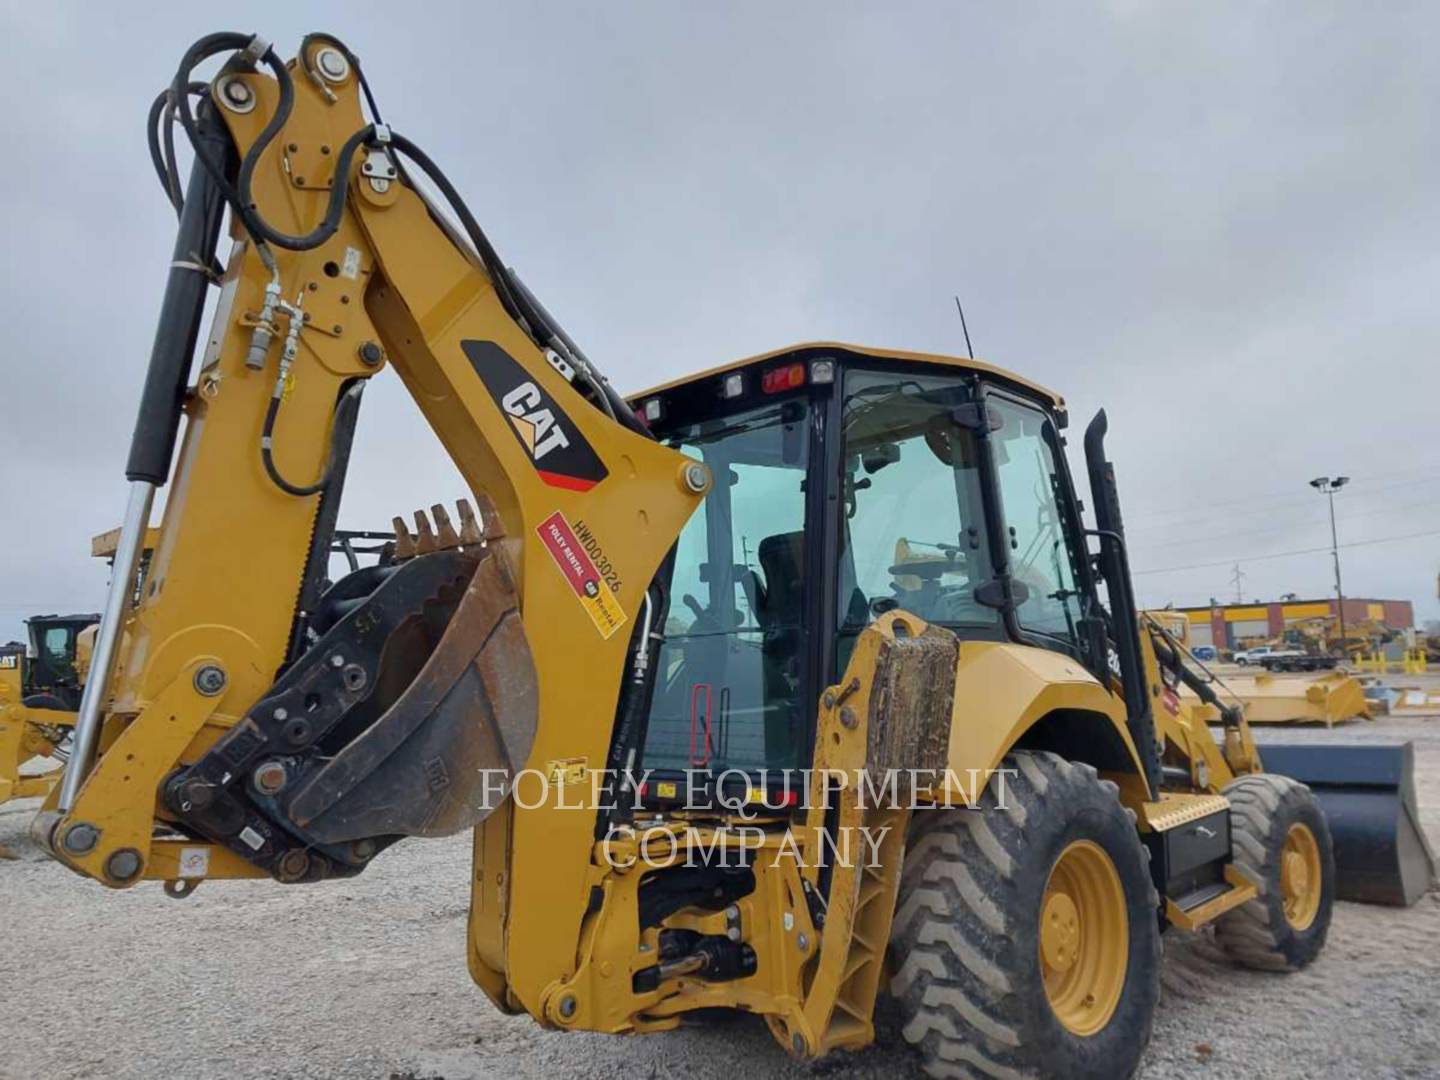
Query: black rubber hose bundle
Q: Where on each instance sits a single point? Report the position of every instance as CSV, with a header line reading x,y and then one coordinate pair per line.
x,y
176,100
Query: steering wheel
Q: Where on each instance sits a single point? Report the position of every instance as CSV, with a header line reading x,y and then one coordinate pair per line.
x,y
927,569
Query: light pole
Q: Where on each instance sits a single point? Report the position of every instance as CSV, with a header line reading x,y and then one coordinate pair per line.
x,y
1329,485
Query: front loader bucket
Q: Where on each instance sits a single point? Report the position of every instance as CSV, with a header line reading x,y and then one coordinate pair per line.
x,y
1368,794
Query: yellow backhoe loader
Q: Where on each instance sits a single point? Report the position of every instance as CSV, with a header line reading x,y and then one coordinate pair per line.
x,y
39,690
776,688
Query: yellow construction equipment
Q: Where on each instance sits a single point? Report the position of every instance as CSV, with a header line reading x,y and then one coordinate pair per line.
x,y
775,688
39,690
1330,698
1367,791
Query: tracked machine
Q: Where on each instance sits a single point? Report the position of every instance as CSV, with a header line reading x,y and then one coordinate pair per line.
x,y
676,655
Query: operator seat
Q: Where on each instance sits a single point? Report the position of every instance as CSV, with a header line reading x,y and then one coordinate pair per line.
x,y
782,618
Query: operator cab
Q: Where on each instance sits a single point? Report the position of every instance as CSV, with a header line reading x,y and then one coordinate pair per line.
x,y
848,482
51,679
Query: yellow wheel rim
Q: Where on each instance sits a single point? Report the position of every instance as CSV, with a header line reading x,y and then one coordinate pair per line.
x,y
1084,938
1300,878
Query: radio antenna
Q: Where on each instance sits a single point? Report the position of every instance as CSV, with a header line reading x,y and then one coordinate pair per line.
x,y
970,352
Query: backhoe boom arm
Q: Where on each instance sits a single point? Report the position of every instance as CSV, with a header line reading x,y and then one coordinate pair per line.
x,y
238,720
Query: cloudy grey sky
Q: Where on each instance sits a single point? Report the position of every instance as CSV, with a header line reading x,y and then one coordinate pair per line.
x,y
1217,220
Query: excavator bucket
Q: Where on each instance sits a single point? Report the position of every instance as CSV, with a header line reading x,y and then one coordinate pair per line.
x,y
407,717
1329,699
419,768
1368,794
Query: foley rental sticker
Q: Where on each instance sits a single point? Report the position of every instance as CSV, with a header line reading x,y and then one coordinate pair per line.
x,y
592,589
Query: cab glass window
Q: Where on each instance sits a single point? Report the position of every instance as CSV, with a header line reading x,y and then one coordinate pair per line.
x,y
57,642
1026,450
727,691
912,532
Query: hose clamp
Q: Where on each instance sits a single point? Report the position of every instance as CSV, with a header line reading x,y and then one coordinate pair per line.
x,y
378,166
255,51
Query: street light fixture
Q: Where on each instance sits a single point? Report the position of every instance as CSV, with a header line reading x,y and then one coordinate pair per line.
x,y
1327,486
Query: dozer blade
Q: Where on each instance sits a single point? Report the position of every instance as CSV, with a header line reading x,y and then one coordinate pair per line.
x,y
408,717
1368,794
1328,699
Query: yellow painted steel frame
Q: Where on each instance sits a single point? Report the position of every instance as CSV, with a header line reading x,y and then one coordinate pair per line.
x,y
21,740
228,559
816,988
1183,722
1328,698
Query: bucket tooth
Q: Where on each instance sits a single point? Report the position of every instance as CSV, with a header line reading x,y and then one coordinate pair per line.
x,y
404,542
489,518
425,542
470,534
445,533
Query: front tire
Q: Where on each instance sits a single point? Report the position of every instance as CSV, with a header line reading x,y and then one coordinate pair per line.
x,y
1282,842
1026,940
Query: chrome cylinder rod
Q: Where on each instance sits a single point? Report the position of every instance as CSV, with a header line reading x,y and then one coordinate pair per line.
x,y
107,639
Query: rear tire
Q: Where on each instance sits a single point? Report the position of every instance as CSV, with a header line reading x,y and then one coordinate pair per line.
x,y
971,964
1282,842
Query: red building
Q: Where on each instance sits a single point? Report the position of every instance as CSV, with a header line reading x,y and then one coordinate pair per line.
x,y
1225,626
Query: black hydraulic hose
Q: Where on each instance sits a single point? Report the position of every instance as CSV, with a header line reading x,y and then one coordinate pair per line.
x,y
160,124
197,54
514,298
349,400
494,265
1169,657
334,209
238,194
164,165
315,77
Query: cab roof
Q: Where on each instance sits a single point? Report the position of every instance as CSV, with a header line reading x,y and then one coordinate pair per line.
x,y
841,349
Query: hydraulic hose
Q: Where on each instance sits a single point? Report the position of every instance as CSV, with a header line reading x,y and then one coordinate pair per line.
x,y
238,194
349,400
517,300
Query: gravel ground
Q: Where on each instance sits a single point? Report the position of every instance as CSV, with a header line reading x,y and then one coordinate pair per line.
x,y
367,980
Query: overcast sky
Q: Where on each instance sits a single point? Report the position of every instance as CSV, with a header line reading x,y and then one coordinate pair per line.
x,y
1218,221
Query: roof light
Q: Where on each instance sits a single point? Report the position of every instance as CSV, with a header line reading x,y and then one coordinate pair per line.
x,y
778,380
733,386
822,371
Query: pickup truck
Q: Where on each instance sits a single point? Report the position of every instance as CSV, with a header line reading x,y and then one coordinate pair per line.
x,y
1273,659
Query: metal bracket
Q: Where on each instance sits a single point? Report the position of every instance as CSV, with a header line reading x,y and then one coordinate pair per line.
x,y
976,416
378,166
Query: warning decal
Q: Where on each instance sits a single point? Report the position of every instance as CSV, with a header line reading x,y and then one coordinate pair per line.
x,y
595,595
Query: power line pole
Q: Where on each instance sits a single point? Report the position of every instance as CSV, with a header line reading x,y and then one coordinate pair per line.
x,y
1237,575
1327,486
